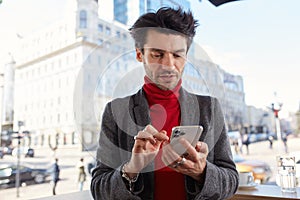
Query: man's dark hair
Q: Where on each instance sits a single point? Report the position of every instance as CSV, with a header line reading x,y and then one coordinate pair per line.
x,y
166,20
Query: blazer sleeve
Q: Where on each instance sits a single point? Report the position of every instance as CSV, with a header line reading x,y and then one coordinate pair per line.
x,y
107,182
221,176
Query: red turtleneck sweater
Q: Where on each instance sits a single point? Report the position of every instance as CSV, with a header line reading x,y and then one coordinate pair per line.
x,y
165,114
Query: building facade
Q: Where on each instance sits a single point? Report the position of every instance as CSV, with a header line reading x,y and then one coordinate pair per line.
x,y
56,65
7,77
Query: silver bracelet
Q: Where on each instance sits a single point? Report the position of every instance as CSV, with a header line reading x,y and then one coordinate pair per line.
x,y
130,180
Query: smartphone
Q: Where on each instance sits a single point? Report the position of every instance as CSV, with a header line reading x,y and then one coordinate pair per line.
x,y
190,133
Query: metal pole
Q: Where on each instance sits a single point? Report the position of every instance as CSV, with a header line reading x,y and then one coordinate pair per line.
x,y
20,123
18,166
278,132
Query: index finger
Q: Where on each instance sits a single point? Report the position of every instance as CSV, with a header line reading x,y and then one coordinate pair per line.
x,y
190,150
159,135
162,136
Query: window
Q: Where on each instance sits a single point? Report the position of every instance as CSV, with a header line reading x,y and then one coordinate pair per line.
x,y
118,33
59,63
99,60
83,19
107,45
59,83
107,31
117,66
100,27
89,59
100,41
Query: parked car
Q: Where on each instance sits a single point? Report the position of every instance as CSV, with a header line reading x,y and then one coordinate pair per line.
x,y
261,170
29,153
25,151
7,150
27,174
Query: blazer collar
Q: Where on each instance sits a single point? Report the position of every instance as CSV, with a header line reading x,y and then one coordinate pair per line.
x,y
141,109
190,110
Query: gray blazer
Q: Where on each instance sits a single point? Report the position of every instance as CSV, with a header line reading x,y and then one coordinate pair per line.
x,y
124,117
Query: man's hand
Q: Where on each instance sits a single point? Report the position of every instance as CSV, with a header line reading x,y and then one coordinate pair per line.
x,y
146,146
192,163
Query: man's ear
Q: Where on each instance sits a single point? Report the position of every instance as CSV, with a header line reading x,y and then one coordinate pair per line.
x,y
139,55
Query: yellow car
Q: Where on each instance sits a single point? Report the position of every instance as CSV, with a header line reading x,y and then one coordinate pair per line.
x,y
261,170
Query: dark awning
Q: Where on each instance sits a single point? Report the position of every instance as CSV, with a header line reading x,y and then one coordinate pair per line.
x,y
220,2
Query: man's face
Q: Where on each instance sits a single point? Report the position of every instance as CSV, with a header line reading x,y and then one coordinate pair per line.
x,y
163,58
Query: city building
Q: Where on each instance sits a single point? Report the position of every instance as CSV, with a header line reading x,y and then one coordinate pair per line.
x,y
208,78
258,117
296,121
1,100
52,66
7,91
65,74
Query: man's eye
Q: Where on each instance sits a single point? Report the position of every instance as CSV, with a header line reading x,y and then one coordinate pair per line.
x,y
157,55
176,55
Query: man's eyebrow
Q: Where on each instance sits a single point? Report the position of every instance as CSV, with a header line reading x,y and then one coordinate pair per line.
x,y
161,50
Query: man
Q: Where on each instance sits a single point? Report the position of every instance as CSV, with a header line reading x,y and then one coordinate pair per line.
x,y
135,160
55,175
82,174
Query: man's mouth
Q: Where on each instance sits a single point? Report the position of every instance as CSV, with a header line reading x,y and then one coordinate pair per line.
x,y
167,74
167,77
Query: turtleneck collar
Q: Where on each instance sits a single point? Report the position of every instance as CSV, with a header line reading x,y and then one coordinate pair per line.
x,y
159,94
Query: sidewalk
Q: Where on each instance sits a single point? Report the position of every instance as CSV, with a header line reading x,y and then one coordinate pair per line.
x,y
261,151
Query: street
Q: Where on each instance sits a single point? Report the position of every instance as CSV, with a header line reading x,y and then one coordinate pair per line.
x,y
69,156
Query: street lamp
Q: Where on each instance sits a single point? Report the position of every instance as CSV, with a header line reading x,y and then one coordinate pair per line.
x,y
276,107
19,137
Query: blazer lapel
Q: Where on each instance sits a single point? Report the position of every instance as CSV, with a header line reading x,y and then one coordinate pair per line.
x,y
189,106
142,117
141,110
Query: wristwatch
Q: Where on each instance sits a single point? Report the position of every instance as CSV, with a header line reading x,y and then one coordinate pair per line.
x,y
130,181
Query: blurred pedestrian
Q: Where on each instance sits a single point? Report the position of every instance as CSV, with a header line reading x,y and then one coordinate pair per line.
x,y
270,139
246,142
82,174
55,170
284,140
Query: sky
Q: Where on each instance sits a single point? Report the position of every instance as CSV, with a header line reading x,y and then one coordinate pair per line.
x,y
259,40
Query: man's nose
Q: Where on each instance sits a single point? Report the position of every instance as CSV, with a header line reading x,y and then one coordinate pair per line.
x,y
168,60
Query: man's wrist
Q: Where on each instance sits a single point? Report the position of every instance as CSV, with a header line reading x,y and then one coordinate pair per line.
x,y
128,171
131,178
201,177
